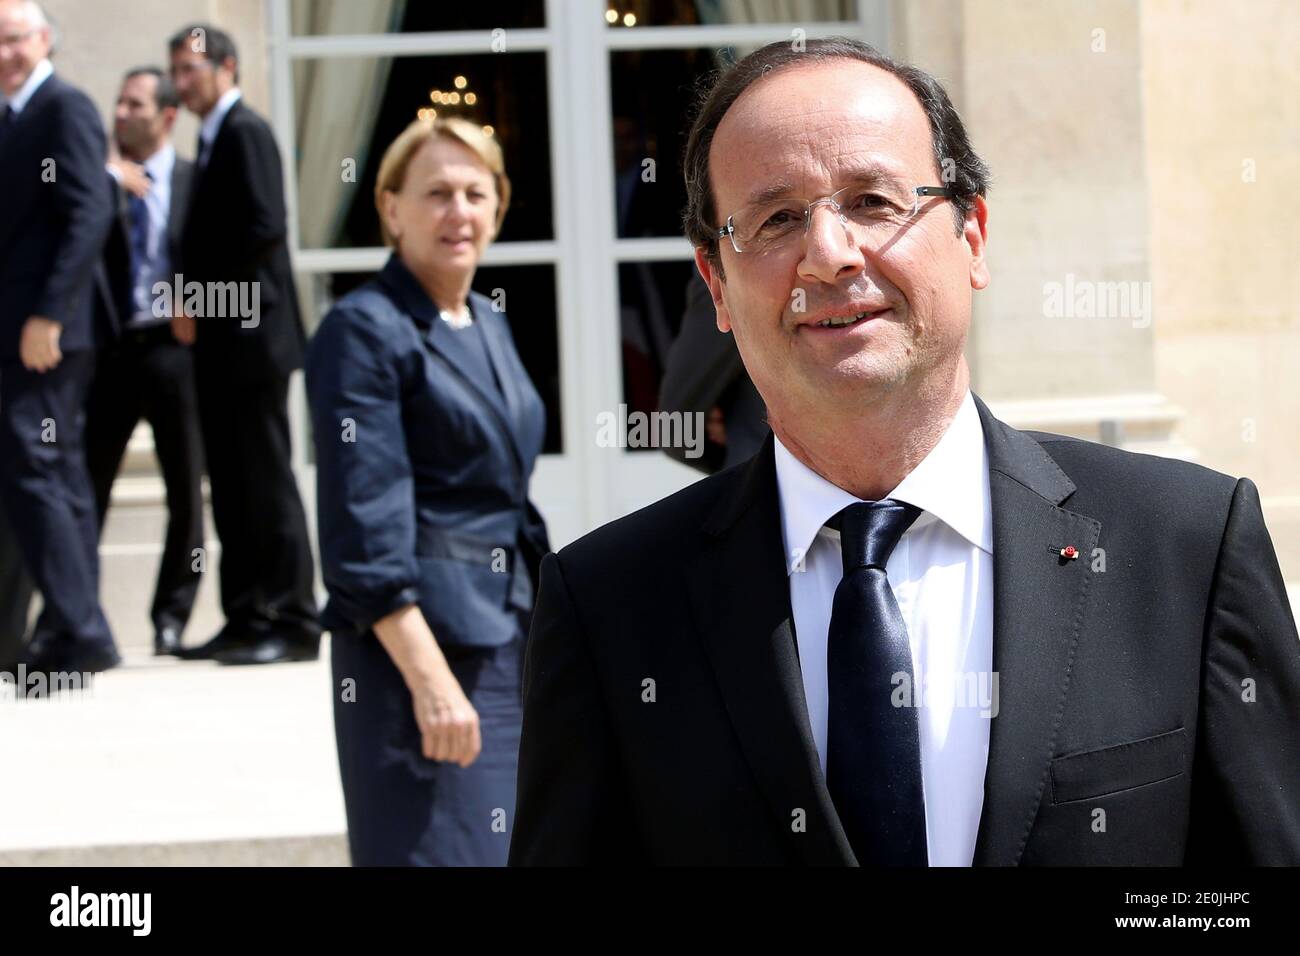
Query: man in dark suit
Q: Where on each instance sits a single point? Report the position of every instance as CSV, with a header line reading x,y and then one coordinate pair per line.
x,y
143,371
57,212
705,376
904,633
236,237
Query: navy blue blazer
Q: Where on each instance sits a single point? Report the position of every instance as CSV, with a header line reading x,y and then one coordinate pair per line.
x,y
57,210
421,471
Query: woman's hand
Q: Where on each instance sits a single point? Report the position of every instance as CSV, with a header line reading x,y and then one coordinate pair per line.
x,y
448,723
449,728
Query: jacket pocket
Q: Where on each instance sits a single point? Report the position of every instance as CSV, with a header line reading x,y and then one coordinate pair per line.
x,y
1097,773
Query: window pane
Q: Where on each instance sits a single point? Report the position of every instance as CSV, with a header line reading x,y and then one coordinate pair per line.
x,y
348,109
662,13
341,17
528,297
648,88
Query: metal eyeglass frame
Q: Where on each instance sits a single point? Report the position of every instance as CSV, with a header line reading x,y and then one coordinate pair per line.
x,y
946,192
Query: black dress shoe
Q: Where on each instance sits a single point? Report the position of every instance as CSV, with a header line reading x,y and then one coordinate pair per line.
x,y
166,640
271,650
226,639
92,660
66,657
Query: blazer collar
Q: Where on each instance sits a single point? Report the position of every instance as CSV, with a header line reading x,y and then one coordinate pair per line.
x,y
505,406
1040,603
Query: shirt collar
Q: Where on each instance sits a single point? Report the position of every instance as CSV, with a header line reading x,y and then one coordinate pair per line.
x,y
212,122
160,164
951,484
40,73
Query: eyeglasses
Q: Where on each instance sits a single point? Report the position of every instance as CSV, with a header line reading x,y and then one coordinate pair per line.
x,y
865,208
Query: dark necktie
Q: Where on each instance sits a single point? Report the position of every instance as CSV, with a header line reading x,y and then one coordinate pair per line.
x,y
200,155
138,213
873,749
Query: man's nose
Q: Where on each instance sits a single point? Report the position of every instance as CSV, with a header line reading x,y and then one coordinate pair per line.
x,y
830,247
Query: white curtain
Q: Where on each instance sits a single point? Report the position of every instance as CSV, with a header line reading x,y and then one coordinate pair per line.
x,y
336,102
776,11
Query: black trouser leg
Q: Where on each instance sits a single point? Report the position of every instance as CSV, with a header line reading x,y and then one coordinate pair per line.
x,y
171,408
15,595
266,562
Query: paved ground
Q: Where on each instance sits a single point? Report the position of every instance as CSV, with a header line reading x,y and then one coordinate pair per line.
x,y
165,756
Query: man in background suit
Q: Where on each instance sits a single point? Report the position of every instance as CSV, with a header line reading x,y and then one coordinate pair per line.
x,y
57,212
705,376
236,232
904,633
143,371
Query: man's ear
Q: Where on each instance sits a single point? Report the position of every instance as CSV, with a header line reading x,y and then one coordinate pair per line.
x,y
976,235
231,66
711,273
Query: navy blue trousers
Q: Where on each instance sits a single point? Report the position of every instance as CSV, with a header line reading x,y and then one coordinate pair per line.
x,y
406,810
46,491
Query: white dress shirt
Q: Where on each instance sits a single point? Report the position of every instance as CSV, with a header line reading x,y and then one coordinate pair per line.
x,y
211,124
941,573
40,73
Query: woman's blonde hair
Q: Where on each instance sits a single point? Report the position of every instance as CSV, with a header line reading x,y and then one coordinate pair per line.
x,y
392,168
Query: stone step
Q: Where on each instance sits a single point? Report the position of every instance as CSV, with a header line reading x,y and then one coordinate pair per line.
x,y
329,849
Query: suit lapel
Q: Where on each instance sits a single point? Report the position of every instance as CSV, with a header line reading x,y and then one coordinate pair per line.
x,y
416,303
494,329
1039,602
745,622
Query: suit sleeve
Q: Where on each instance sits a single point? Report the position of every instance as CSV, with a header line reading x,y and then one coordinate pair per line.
x,y
263,182
1246,770
571,807
702,364
82,198
365,492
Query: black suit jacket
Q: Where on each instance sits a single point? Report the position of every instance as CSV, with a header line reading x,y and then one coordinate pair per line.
x,y
56,214
236,232
113,298
1120,690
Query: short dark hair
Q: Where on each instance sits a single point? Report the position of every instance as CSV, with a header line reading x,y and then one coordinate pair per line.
x,y
164,93
217,44
952,148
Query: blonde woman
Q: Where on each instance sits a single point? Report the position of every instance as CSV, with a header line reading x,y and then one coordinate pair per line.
x,y
427,429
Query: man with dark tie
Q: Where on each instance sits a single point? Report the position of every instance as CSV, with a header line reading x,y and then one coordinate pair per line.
x,y
235,239
143,371
903,633
57,212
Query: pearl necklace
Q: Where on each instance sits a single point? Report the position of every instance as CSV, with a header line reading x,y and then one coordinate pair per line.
x,y
457,320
